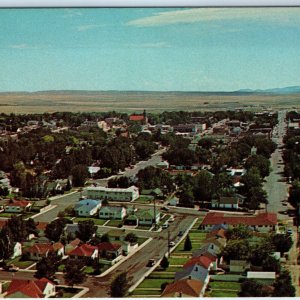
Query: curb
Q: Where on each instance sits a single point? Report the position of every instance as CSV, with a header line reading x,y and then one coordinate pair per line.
x,y
123,260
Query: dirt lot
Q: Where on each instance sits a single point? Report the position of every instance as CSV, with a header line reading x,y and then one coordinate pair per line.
x,y
84,101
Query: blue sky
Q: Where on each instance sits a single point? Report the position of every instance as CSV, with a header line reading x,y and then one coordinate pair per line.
x,y
155,49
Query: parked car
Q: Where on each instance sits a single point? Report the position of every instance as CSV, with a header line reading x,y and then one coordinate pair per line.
x,y
289,231
165,225
165,208
151,262
180,233
171,244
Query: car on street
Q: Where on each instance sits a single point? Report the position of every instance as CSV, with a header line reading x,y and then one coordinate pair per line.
x,y
151,262
165,208
180,233
165,225
171,244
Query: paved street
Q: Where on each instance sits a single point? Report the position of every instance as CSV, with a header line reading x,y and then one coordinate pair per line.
x,y
62,203
275,185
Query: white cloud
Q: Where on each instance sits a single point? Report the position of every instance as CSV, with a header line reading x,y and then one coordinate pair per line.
x,y
87,27
150,45
20,46
196,15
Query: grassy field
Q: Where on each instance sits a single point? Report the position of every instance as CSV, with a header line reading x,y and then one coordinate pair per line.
x,y
222,285
85,101
223,294
153,283
19,263
114,223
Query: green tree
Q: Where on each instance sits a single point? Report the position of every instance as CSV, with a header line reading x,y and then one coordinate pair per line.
x,y
79,175
164,263
48,266
54,230
236,249
86,230
282,242
251,288
260,162
187,244
119,286
238,233
131,238
283,286
73,272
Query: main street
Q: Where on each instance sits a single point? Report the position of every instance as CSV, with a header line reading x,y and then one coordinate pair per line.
x,y
275,185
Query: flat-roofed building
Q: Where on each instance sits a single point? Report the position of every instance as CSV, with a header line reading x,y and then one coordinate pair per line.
x,y
113,194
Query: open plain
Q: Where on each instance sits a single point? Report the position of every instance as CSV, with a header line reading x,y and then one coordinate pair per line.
x,y
101,101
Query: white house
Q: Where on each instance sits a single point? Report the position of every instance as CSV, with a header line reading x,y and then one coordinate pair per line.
x,y
16,206
226,202
113,194
112,212
87,207
146,216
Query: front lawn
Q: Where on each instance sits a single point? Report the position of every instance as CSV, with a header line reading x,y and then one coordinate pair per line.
x,y
223,294
154,283
96,221
228,285
146,292
115,223
178,260
22,264
144,199
8,215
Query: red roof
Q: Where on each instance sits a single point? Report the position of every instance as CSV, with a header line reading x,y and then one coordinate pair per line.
x,y
31,288
45,248
20,203
136,118
217,233
108,246
221,218
186,287
201,260
41,225
84,250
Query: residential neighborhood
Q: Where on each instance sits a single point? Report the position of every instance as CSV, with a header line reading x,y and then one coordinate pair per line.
x,y
190,224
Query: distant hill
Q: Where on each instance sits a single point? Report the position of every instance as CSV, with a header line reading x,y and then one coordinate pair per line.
x,y
284,90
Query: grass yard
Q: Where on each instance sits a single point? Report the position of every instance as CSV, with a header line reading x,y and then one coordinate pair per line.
x,y
89,270
22,264
178,260
146,292
215,294
8,215
154,283
141,240
115,223
144,199
96,221
226,285
5,286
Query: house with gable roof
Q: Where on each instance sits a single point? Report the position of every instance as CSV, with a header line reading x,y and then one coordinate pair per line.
x,y
202,260
40,250
109,250
196,272
112,212
87,207
184,288
41,288
84,251
17,206
147,216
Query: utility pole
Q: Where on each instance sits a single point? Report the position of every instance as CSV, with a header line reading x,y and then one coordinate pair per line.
x,y
154,210
168,243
